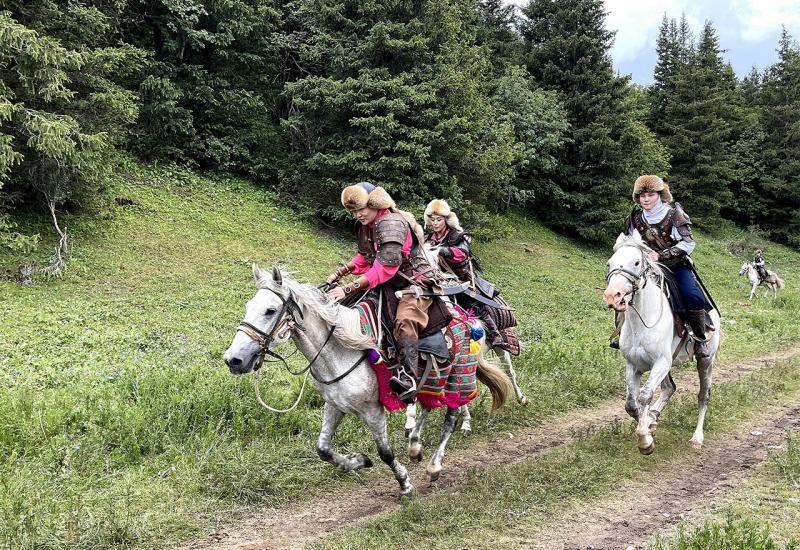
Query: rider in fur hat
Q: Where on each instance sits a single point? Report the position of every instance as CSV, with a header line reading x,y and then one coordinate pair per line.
x,y
389,258
452,245
668,231
760,264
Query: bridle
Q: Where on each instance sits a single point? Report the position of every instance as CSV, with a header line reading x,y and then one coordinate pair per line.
x,y
638,281
286,321
282,322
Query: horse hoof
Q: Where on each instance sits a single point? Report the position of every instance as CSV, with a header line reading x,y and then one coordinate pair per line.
x,y
648,450
434,476
523,400
466,431
415,455
695,444
408,495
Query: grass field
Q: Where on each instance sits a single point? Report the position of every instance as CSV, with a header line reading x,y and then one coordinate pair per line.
x,y
121,426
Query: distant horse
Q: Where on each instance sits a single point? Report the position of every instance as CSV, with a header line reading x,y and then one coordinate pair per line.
x,y
772,282
329,336
649,340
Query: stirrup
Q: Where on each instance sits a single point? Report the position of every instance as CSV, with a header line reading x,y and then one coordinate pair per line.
x,y
406,390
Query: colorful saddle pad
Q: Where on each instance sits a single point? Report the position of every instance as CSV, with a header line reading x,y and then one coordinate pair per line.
x,y
449,384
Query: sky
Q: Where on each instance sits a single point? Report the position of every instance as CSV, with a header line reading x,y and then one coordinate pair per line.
x,y
747,29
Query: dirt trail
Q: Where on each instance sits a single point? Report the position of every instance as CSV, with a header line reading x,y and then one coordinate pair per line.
x,y
640,509
295,525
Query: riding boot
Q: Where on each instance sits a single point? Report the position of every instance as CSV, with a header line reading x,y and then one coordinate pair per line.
x,y
404,380
697,322
493,337
619,318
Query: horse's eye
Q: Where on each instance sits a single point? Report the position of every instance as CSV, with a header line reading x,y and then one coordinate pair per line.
x,y
637,264
271,311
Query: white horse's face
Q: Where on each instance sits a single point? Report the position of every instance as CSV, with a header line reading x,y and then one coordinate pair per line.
x,y
745,268
266,313
619,288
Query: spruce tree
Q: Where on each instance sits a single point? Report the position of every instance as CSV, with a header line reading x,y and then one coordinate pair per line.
x,y
781,123
567,49
497,31
698,128
395,94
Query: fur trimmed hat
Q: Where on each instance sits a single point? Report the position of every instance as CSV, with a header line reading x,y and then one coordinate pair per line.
x,y
439,207
365,195
651,184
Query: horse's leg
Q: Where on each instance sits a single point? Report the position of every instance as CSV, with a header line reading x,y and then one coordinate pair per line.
x,y
505,357
704,367
411,418
331,417
668,388
632,380
435,465
644,437
753,290
375,419
414,445
466,422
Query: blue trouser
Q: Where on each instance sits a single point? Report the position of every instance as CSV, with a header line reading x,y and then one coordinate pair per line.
x,y
692,298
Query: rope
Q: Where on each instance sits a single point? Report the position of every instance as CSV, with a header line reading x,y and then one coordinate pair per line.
x,y
257,376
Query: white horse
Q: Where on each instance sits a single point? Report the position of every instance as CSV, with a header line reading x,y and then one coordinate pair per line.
x,y
432,255
772,282
648,340
329,336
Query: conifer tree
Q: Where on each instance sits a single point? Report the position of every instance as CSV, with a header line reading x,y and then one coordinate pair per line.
x,y
781,123
396,94
698,125
567,49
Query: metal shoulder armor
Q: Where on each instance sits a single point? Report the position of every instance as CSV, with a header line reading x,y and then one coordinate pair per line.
x,y
683,223
390,233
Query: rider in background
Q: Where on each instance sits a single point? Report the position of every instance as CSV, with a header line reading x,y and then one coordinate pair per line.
x,y
760,264
455,255
667,230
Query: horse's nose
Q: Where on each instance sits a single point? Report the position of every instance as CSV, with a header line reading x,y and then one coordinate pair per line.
x,y
234,363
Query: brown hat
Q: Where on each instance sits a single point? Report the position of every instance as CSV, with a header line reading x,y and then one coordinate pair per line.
x,y
651,184
439,207
365,195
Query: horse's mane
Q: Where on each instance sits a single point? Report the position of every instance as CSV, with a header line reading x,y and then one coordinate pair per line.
x,y
641,245
346,320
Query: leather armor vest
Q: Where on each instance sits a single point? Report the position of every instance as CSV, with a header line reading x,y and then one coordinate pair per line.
x,y
389,234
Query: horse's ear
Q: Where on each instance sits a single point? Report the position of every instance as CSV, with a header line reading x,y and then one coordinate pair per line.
x,y
637,237
620,238
257,273
277,276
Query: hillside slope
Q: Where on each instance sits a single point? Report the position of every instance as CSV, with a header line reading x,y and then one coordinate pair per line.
x,y
119,423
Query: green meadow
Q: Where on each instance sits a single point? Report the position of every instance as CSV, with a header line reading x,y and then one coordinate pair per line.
x,y
121,426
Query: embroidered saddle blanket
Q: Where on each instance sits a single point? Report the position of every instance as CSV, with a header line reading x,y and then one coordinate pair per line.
x,y
451,382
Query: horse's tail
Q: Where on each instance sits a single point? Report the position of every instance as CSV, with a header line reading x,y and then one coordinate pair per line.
x,y
779,282
495,379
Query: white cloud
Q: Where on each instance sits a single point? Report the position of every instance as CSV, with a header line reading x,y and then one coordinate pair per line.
x,y
762,19
637,24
